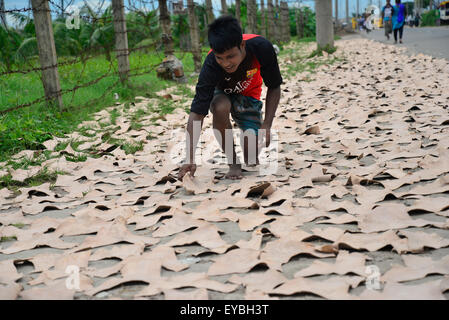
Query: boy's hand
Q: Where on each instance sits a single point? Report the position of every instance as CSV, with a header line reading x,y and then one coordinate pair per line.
x,y
187,167
264,136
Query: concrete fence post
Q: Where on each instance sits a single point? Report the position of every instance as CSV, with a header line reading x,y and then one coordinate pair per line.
x,y
194,35
285,22
324,25
47,51
121,39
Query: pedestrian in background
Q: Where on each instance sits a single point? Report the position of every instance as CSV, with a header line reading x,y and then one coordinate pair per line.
x,y
399,14
367,24
417,18
387,14
409,20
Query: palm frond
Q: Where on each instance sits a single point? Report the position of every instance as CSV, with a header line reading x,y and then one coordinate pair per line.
x,y
20,19
89,11
28,48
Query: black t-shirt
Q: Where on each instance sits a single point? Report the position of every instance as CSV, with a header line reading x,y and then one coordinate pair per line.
x,y
259,64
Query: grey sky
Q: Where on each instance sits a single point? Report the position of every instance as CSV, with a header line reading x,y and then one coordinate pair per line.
x,y
12,4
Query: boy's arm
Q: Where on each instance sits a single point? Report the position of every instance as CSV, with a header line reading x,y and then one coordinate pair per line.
x,y
194,125
271,104
270,72
207,80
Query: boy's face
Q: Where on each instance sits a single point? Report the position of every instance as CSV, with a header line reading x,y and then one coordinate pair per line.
x,y
231,59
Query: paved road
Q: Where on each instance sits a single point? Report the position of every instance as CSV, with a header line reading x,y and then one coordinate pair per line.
x,y
433,41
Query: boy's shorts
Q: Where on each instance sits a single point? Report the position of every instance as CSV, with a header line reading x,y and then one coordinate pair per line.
x,y
245,111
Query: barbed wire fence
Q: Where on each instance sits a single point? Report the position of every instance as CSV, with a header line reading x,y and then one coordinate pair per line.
x,y
49,65
117,40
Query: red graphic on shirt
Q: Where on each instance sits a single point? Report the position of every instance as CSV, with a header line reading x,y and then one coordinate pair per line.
x,y
253,86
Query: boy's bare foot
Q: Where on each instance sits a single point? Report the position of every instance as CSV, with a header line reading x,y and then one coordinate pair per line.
x,y
235,172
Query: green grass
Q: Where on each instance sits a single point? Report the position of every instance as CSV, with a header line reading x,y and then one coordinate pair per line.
x,y
72,142
309,39
87,132
43,176
319,51
36,160
163,108
29,127
305,40
4,239
135,125
310,66
61,146
115,113
302,61
77,158
19,225
132,147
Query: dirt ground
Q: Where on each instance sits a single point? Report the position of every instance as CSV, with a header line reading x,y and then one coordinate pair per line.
x,y
350,201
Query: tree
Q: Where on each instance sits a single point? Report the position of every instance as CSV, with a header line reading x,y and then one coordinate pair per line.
x,y
164,19
277,24
264,22
299,23
2,14
224,7
251,16
309,24
238,11
243,12
285,19
181,31
270,18
201,11
144,29
336,14
100,33
194,35
61,8
9,42
209,11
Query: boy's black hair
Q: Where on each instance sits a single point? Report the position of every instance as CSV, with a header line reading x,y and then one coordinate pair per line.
x,y
225,33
